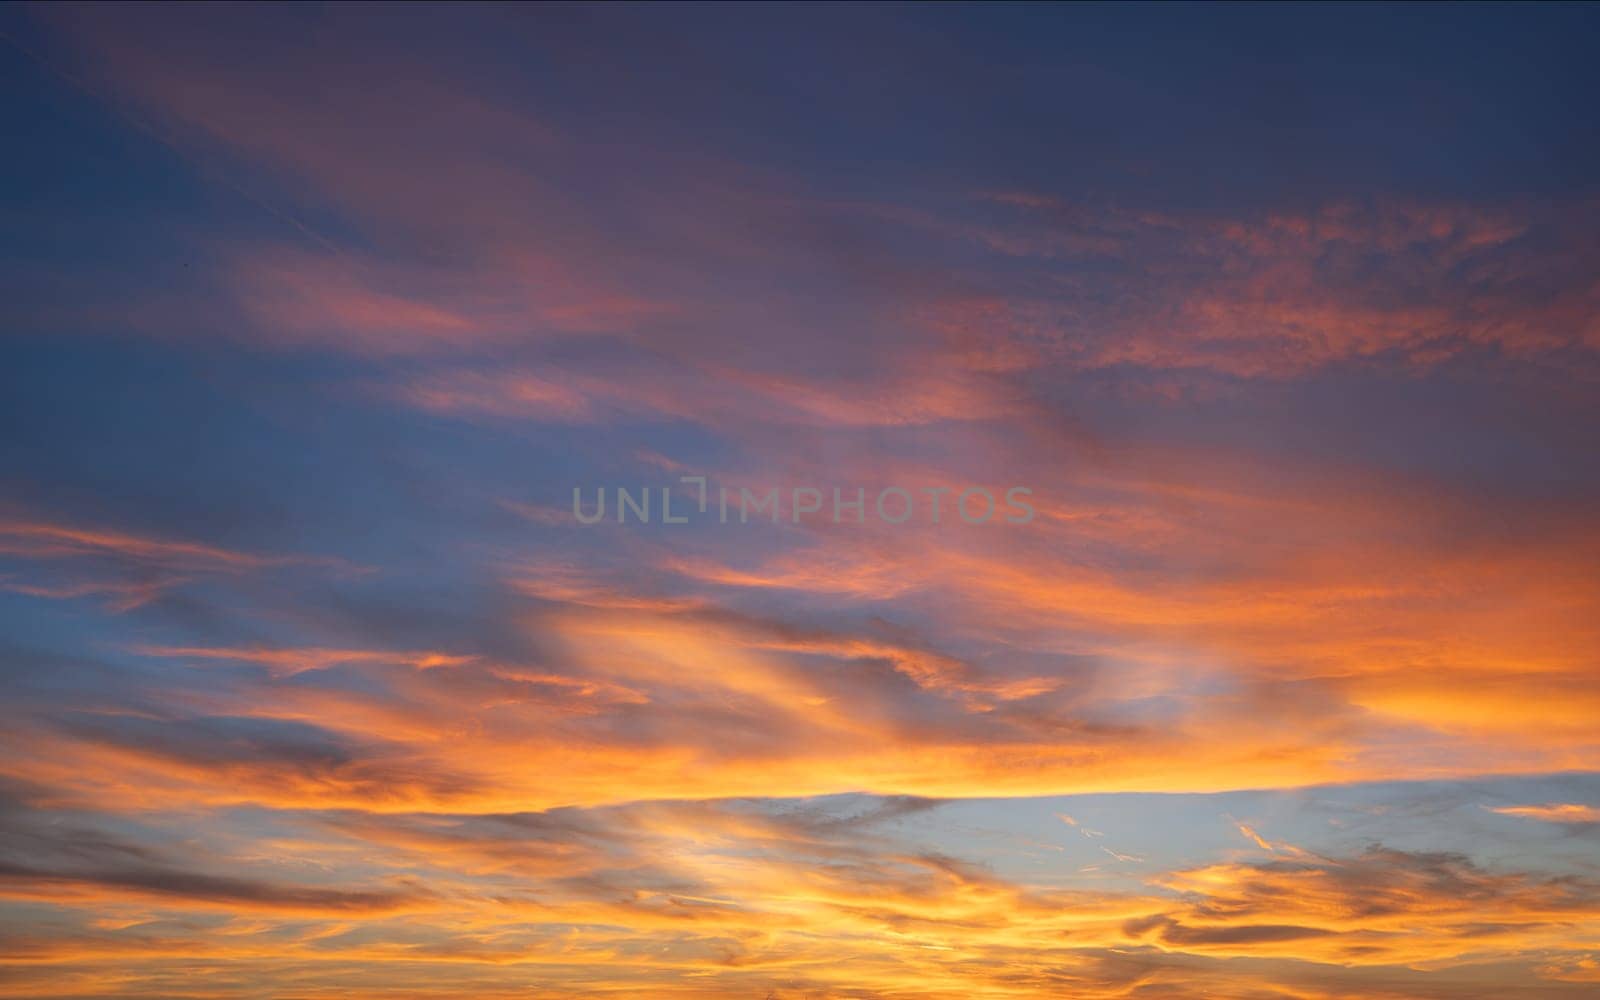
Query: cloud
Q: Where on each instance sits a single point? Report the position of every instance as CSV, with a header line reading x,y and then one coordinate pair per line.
x,y
125,570
1392,282
824,897
1382,907
1556,812
286,662
66,862
45,540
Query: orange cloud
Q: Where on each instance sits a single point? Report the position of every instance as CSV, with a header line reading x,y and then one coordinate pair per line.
x,y
45,540
1559,812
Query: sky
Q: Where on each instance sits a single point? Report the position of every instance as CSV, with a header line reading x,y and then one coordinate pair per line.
x,y
321,326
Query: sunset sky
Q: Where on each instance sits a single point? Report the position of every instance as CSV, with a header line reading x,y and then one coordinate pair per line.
x,y
312,685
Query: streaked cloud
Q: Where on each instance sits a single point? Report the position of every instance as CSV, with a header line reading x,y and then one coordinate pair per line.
x,y
1555,812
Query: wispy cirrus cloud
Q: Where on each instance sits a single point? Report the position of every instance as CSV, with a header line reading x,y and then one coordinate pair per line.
x,y
1554,812
125,570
